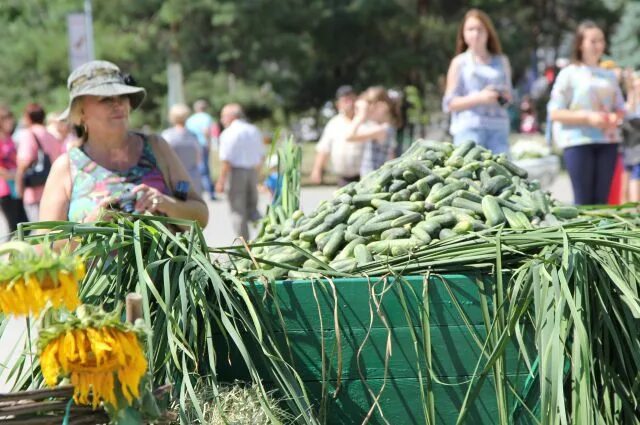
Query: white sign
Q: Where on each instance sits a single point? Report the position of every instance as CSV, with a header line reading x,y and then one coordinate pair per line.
x,y
174,80
79,47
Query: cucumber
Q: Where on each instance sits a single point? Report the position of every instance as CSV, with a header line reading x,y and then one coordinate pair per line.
x,y
492,211
387,215
347,251
394,233
409,218
443,220
384,177
364,199
397,185
334,242
455,162
402,195
379,247
565,212
433,145
516,206
421,235
464,226
446,234
359,213
443,172
346,265
439,194
474,197
310,235
348,189
513,168
541,201
345,198
370,229
403,246
524,220
315,221
418,169
474,154
512,218
462,202
495,169
462,149
423,186
339,216
496,184
431,227
409,176
364,218
322,239
416,196
350,235
362,255
416,206
432,179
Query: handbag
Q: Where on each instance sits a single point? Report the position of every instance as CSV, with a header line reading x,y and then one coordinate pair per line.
x,y
37,173
631,132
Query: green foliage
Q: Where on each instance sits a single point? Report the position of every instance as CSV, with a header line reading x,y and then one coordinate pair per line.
x,y
625,42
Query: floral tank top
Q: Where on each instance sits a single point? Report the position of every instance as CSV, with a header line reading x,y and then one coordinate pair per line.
x,y
91,183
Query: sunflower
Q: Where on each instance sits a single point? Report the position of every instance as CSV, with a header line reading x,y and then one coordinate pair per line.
x,y
98,353
29,280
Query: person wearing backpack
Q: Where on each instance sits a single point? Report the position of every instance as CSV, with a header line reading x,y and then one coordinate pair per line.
x,y
37,150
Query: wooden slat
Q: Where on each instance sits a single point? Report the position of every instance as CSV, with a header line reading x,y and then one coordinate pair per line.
x,y
300,310
62,391
454,353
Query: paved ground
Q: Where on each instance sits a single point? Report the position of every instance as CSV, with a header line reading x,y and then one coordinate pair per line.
x,y
220,233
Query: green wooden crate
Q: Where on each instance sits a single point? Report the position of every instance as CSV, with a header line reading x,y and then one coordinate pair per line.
x,y
354,340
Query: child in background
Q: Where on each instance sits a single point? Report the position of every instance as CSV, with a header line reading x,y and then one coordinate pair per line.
x,y
273,183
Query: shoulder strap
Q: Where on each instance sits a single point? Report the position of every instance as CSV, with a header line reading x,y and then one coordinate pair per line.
x,y
160,160
33,133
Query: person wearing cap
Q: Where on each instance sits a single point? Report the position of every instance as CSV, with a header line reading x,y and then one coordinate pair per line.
x,y
242,155
34,138
113,163
345,157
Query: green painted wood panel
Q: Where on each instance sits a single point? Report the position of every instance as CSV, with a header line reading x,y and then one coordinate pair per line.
x,y
304,325
300,309
454,353
400,402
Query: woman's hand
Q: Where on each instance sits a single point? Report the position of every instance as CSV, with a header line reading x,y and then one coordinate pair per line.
x,y
102,211
151,199
603,120
487,96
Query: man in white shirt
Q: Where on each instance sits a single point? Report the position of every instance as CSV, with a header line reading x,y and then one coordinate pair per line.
x,y
242,154
345,157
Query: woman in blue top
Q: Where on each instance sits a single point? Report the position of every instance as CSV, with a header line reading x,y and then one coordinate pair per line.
x,y
479,85
587,102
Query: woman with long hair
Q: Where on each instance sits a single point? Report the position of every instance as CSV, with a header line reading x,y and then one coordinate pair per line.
x,y
478,86
587,102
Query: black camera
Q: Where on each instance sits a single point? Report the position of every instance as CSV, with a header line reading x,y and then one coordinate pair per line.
x,y
502,101
126,202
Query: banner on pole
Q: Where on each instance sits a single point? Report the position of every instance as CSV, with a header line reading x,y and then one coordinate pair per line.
x,y
79,49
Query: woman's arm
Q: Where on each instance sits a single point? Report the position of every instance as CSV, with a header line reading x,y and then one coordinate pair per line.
x,y
357,134
194,208
454,101
54,205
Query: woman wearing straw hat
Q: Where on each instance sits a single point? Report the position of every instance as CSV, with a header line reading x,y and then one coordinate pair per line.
x,y
114,166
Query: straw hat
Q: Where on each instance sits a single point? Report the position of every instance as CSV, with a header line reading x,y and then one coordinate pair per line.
x,y
101,78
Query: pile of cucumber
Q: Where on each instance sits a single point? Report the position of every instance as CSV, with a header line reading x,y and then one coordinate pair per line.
x,y
433,192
